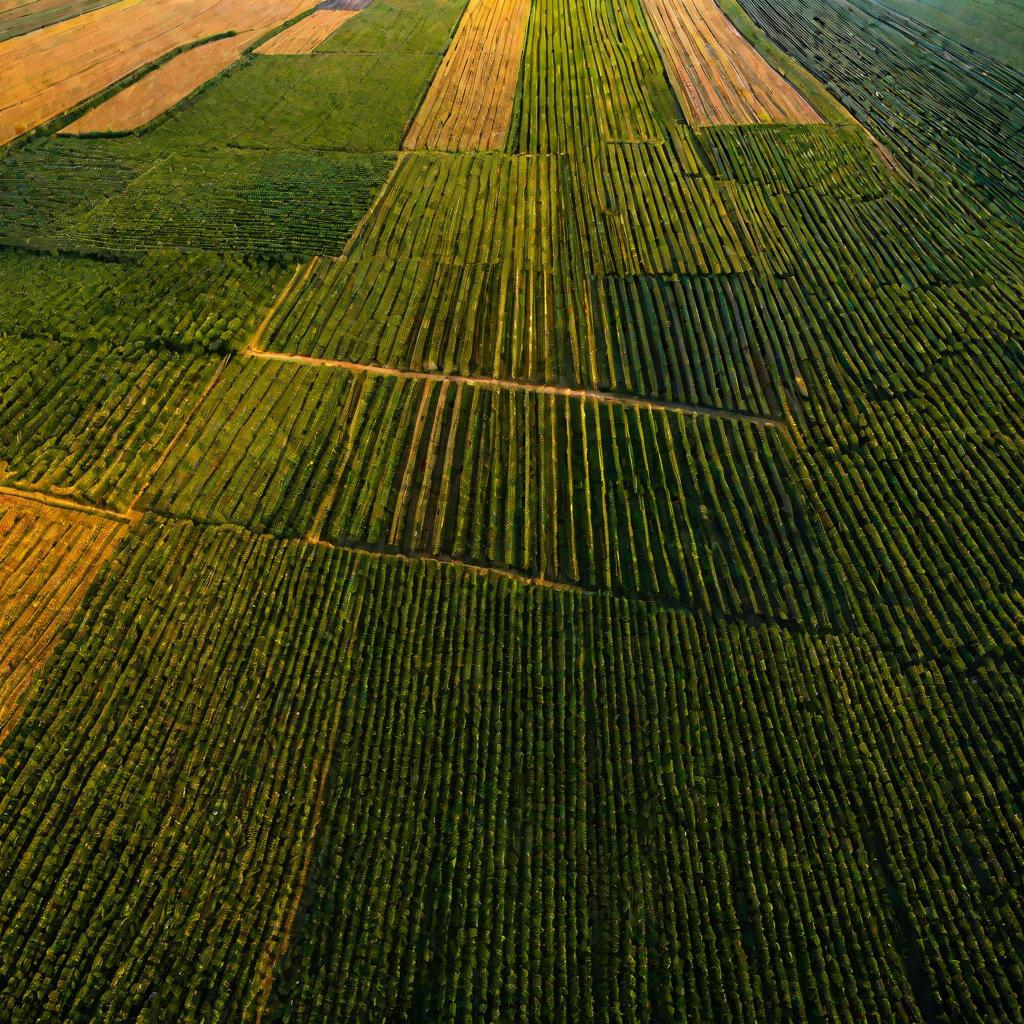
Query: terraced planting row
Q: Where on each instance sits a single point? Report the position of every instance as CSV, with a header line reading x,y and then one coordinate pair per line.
x,y
609,496
268,780
48,558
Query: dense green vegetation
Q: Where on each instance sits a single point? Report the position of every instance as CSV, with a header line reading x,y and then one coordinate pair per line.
x,y
995,27
583,582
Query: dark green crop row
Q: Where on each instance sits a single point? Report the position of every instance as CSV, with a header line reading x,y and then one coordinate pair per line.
x,y
687,508
92,418
265,777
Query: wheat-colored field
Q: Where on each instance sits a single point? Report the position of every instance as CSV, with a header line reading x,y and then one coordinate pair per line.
x,y
48,558
160,90
469,105
47,72
306,35
719,77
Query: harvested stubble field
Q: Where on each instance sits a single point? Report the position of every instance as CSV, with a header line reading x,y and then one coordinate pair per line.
x,y
719,76
581,580
48,72
470,102
161,89
306,35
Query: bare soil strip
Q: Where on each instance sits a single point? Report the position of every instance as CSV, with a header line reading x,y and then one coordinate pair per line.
x,y
541,389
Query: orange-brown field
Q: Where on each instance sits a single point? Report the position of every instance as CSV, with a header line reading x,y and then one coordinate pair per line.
x,y
47,72
469,105
306,35
160,90
719,77
48,558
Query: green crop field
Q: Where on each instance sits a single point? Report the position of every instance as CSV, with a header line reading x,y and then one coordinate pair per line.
x,y
577,579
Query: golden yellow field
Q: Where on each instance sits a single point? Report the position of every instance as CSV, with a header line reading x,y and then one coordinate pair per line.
x,y
163,88
47,72
306,35
469,105
48,558
719,77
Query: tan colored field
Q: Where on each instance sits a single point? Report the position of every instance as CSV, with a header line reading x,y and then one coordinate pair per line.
x,y
49,71
469,105
306,35
48,558
719,77
160,90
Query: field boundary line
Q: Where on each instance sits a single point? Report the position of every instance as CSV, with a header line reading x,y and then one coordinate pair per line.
x,y
299,277
66,504
501,384
372,208
427,556
186,420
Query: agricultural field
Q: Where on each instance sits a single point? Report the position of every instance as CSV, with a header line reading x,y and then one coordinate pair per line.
x,y
511,511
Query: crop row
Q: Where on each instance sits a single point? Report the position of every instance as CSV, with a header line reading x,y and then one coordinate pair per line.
x,y
470,101
89,417
149,858
950,114
591,74
572,810
48,558
630,499
269,775
513,267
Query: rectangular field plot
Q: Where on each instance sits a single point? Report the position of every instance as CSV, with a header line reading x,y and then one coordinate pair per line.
x,y
719,77
469,105
48,558
278,206
583,283
188,721
409,27
591,73
92,419
359,103
636,500
624,789
157,92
